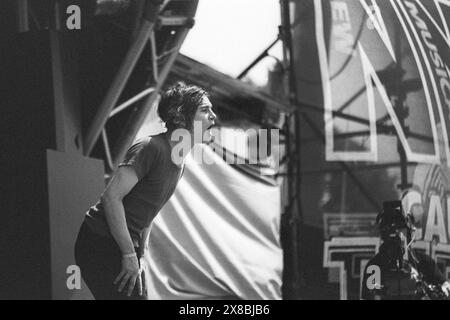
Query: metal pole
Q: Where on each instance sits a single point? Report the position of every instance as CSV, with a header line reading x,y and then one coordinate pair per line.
x,y
107,150
264,54
23,23
295,218
138,117
402,112
380,127
122,76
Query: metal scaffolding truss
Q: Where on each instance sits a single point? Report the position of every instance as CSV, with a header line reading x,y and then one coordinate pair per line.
x,y
161,61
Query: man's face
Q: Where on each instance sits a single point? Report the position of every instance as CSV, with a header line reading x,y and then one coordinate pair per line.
x,y
204,117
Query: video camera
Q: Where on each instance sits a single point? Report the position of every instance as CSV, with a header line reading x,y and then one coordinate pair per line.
x,y
395,230
391,220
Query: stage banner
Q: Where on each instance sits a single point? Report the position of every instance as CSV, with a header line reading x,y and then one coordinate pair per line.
x,y
384,67
218,237
385,64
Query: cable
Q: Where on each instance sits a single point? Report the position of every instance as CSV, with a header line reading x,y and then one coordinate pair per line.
x,y
411,242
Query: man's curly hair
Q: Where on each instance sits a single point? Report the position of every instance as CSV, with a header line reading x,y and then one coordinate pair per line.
x,y
179,104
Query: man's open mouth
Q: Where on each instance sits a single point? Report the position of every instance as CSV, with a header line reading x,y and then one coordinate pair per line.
x,y
210,133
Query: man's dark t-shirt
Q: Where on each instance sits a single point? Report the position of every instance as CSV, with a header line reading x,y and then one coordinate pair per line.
x,y
158,177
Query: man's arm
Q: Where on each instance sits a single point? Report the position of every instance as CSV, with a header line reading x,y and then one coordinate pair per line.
x,y
429,269
120,185
432,274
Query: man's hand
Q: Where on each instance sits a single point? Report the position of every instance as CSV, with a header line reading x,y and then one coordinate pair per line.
x,y
130,274
446,288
